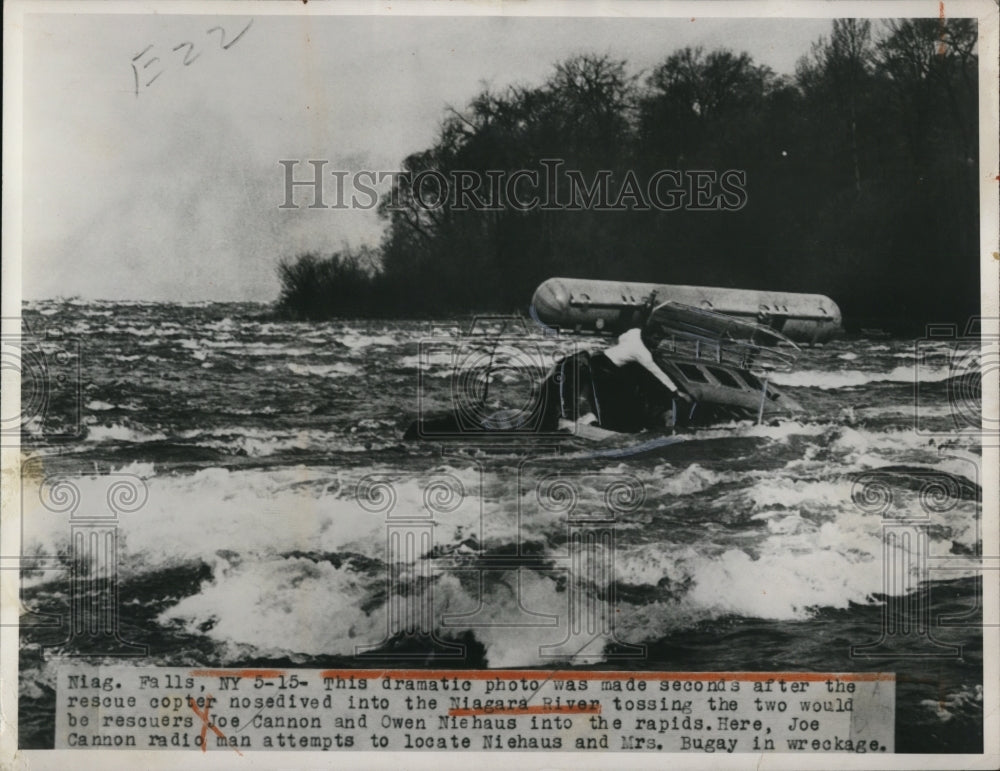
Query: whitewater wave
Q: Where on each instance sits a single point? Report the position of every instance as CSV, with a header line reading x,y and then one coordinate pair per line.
x,y
850,378
119,433
262,443
302,553
357,341
337,369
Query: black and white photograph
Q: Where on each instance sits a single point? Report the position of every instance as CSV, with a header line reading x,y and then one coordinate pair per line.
x,y
444,378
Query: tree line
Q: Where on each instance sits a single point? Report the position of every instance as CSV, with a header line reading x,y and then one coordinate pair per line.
x,y
860,182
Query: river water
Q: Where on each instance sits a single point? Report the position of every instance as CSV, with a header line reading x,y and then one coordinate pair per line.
x,y
274,476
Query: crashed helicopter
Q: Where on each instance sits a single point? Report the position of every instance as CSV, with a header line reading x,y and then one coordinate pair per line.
x,y
716,347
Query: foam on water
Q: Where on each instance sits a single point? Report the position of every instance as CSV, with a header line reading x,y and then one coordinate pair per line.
x,y
780,430
293,605
356,341
251,512
337,369
852,378
686,481
119,433
280,544
264,443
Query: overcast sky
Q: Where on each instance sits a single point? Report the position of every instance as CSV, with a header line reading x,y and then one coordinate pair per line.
x,y
173,194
